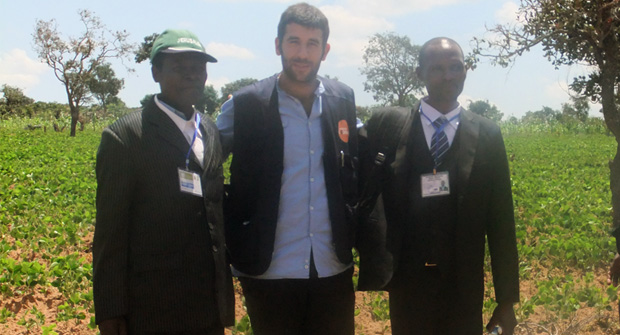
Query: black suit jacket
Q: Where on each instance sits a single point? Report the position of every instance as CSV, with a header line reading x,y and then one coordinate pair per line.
x,y
159,254
485,209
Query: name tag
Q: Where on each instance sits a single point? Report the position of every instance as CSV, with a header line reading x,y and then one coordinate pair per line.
x,y
190,182
435,184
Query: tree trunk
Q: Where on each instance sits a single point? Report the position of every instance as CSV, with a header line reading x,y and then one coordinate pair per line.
x,y
612,120
614,184
75,115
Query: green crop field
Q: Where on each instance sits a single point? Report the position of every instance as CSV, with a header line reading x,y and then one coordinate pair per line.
x,y
560,180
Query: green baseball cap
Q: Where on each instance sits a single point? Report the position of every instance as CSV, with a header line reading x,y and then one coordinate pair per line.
x,y
179,40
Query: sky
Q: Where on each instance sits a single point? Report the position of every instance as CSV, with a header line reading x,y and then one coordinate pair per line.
x,y
241,34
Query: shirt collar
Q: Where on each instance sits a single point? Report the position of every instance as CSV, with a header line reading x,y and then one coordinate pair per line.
x,y
177,117
320,89
433,114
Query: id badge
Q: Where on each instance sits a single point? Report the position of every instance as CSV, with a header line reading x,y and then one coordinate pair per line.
x,y
435,184
190,182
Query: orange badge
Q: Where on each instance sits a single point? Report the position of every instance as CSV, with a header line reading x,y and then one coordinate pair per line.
x,y
343,131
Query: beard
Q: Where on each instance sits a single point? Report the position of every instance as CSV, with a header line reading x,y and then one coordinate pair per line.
x,y
288,67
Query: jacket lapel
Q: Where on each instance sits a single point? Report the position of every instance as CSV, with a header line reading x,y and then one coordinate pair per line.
x,y
469,130
416,120
165,128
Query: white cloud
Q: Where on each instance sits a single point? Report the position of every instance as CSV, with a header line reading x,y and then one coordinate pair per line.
x,y
17,69
222,50
397,7
508,13
349,34
218,83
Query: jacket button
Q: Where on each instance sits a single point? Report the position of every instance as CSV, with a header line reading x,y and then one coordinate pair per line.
x,y
211,226
214,249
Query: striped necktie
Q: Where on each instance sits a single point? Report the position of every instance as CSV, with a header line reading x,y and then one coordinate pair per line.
x,y
439,141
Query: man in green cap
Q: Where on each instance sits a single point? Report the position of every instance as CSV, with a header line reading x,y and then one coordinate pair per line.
x,y
159,264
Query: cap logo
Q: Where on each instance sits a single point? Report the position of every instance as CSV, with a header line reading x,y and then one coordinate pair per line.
x,y
190,41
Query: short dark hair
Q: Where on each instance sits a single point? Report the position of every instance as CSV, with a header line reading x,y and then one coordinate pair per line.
x,y
432,42
304,15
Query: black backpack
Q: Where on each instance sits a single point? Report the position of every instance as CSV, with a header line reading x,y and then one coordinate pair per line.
x,y
382,139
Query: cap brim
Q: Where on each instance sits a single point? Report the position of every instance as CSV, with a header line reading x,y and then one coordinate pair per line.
x,y
210,58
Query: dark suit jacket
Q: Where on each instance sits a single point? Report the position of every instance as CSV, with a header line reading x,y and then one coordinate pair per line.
x,y
485,209
159,254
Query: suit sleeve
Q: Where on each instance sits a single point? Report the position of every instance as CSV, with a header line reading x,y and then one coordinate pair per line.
x,y
501,225
226,125
110,246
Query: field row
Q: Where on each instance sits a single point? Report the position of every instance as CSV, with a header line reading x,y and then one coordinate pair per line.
x,y
47,212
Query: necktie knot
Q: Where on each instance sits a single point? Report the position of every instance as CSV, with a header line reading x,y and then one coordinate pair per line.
x,y
440,121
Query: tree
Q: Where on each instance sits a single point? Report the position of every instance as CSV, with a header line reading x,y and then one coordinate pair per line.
x,y
104,85
570,31
209,101
577,110
145,100
144,50
75,59
232,87
50,110
544,115
13,100
484,108
363,113
389,66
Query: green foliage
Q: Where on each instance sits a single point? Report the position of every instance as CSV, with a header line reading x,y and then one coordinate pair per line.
x,y
104,85
544,115
146,100
243,326
232,87
13,102
144,50
47,187
484,108
49,330
5,314
561,196
380,306
554,126
362,113
563,215
577,110
389,66
209,102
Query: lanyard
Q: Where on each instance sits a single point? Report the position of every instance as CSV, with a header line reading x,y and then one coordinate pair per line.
x,y
192,144
439,129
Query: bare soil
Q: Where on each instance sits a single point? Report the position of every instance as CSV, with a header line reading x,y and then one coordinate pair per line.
x,y
586,321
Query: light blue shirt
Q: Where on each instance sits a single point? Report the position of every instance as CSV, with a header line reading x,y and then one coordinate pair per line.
x,y
303,219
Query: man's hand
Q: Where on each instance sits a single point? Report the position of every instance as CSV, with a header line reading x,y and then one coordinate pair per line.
x,y
116,326
503,316
614,271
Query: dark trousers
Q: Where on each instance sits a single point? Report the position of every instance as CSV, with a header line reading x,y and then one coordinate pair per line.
x,y
424,302
315,306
